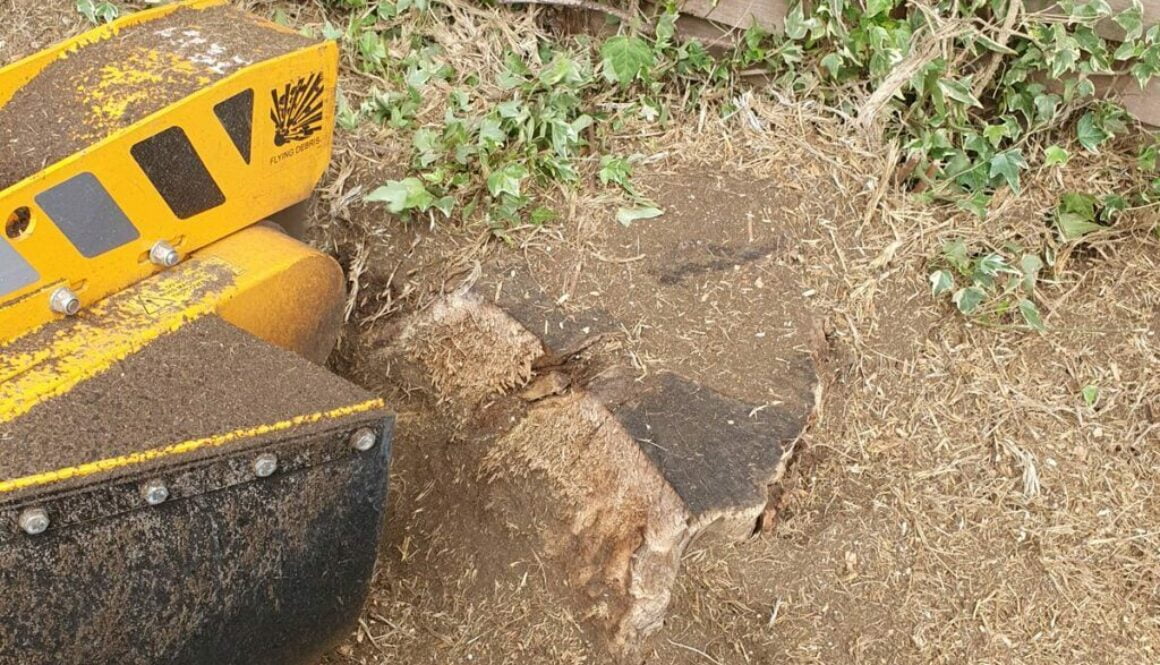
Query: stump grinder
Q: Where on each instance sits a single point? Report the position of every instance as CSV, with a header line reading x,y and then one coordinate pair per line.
x,y
180,480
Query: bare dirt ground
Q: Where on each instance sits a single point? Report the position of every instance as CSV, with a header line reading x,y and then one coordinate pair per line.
x,y
955,500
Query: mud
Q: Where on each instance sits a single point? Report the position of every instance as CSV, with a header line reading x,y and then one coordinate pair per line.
x,y
107,86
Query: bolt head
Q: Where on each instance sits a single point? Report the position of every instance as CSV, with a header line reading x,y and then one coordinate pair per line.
x,y
363,439
64,301
34,521
265,465
164,255
154,492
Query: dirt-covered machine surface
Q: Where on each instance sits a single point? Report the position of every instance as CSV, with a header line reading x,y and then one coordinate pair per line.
x,y
180,481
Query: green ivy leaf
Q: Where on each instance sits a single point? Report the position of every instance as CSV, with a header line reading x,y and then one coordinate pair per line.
x,y
1089,133
507,180
876,7
562,69
832,62
1055,156
1090,395
968,299
626,59
1031,314
1131,20
403,195
1076,215
1147,158
1007,165
1030,265
666,28
616,170
960,91
941,281
1074,226
955,252
991,265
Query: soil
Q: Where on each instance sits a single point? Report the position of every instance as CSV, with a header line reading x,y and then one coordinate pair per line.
x,y
74,103
955,501
207,378
708,290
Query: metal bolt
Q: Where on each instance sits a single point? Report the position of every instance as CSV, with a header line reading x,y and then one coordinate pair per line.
x,y
164,255
154,492
34,521
64,301
363,439
265,465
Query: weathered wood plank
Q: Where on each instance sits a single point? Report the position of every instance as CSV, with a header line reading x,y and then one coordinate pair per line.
x,y
768,14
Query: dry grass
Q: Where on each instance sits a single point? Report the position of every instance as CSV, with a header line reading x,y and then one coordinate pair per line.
x,y
957,501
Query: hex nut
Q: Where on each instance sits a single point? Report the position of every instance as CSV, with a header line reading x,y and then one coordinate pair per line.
x,y
265,465
154,492
363,439
163,254
64,301
34,521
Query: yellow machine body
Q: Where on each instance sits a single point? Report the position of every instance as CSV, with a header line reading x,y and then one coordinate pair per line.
x,y
281,168
181,480
260,280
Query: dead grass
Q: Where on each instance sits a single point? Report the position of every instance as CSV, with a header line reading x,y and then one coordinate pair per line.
x,y
956,500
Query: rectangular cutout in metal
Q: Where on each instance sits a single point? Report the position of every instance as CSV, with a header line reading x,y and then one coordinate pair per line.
x,y
236,115
15,272
85,212
172,164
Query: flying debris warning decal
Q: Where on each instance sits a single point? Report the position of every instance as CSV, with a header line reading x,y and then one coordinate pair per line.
x,y
297,115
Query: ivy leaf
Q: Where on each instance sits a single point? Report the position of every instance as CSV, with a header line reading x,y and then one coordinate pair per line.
x,y
955,252
1031,314
1147,158
1132,21
996,133
1055,156
968,299
1074,226
1090,134
615,169
833,64
666,28
561,69
626,216
506,180
876,7
402,195
960,91
625,59
796,27
1090,394
941,281
1030,265
1076,215
991,265
1007,165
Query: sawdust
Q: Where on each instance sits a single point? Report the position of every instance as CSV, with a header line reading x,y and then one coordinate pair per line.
x,y
471,353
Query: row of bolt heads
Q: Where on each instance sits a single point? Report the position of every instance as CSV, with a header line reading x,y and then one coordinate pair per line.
x,y
65,301
35,521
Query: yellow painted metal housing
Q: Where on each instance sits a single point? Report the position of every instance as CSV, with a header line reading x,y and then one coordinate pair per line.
x,y
259,279
280,172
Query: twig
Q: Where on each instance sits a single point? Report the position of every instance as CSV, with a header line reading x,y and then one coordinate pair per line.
x,y
868,115
1005,32
696,651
